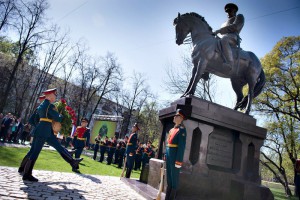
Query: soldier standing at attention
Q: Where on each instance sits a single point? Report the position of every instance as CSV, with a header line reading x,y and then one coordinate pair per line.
x,y
103,148
46,112
138,156
82,133
111,150
122,145
96,148
174,153
148,154
130,149
230,31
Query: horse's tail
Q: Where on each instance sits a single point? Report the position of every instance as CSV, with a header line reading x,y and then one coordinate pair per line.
x,y
257,89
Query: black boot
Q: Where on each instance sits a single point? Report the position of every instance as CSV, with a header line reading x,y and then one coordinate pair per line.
x,y
28,171
172,194
128,173
73,162
168,192
23,163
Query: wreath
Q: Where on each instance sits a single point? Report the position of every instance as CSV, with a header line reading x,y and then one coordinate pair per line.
x,y
68,115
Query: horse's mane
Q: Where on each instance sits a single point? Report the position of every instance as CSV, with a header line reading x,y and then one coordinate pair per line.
x,y
193,14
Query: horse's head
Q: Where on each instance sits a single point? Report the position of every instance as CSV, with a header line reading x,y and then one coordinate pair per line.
x,y
182,29
190,23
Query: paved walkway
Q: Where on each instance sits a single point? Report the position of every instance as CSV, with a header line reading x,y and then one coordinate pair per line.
x,y
58,185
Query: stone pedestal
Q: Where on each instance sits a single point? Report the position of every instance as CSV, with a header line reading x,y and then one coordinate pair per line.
x,y
221,159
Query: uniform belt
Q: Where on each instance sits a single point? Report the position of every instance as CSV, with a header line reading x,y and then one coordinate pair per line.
x,y
172,145
129,144
81,138
46,120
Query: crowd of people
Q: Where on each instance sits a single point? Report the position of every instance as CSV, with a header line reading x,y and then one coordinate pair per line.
x,y
12,129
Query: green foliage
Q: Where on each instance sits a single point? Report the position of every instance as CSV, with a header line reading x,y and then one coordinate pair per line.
x,y
279,104
52,161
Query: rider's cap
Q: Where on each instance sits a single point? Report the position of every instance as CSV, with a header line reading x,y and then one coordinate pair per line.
x,y
229,6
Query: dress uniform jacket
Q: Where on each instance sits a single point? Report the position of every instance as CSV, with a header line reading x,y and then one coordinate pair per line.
x,y
174,154
130,150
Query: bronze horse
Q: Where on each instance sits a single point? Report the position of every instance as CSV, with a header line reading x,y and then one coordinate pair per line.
x,y
207,58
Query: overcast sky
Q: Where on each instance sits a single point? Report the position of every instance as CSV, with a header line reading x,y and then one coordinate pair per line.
x,y
141,34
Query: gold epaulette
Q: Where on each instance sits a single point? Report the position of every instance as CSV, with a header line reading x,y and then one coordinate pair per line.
x,y
45,120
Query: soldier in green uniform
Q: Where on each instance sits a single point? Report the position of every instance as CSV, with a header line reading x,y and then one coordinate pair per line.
x,y
148,154
174,153
138,156
96,148
122,145
83,133
103,148
130,149
46,112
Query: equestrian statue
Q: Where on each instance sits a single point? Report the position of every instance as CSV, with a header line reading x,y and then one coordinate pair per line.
x,y
221,56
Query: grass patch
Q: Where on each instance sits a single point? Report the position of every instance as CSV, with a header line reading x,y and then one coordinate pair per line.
x,y
52,161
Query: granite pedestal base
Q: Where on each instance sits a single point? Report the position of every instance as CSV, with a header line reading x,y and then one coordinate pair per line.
x,y
221,159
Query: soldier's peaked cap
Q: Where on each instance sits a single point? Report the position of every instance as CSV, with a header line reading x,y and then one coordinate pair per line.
x,y
50,91
136,125
181,113
42,97
231,5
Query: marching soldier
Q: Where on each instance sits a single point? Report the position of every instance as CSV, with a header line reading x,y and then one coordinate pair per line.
x,y
103,148
130,150
82,133
97,140
174,153
46,112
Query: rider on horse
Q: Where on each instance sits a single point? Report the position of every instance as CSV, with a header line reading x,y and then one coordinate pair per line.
x,y
230,31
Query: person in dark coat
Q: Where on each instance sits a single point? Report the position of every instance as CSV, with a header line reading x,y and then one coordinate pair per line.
x,y
130,149
5,126
297,178
174,153
44,115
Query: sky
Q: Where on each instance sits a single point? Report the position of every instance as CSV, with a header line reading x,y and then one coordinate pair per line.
x,y
141,33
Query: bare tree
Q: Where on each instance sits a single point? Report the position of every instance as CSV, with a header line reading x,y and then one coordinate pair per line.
x,y
110,78
134,99
30,32
7,9
178,80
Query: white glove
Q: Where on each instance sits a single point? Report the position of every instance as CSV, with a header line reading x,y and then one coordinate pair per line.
x,y
177,166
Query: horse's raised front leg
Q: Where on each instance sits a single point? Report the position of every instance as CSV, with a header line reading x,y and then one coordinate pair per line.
x,y
200,66
191,81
